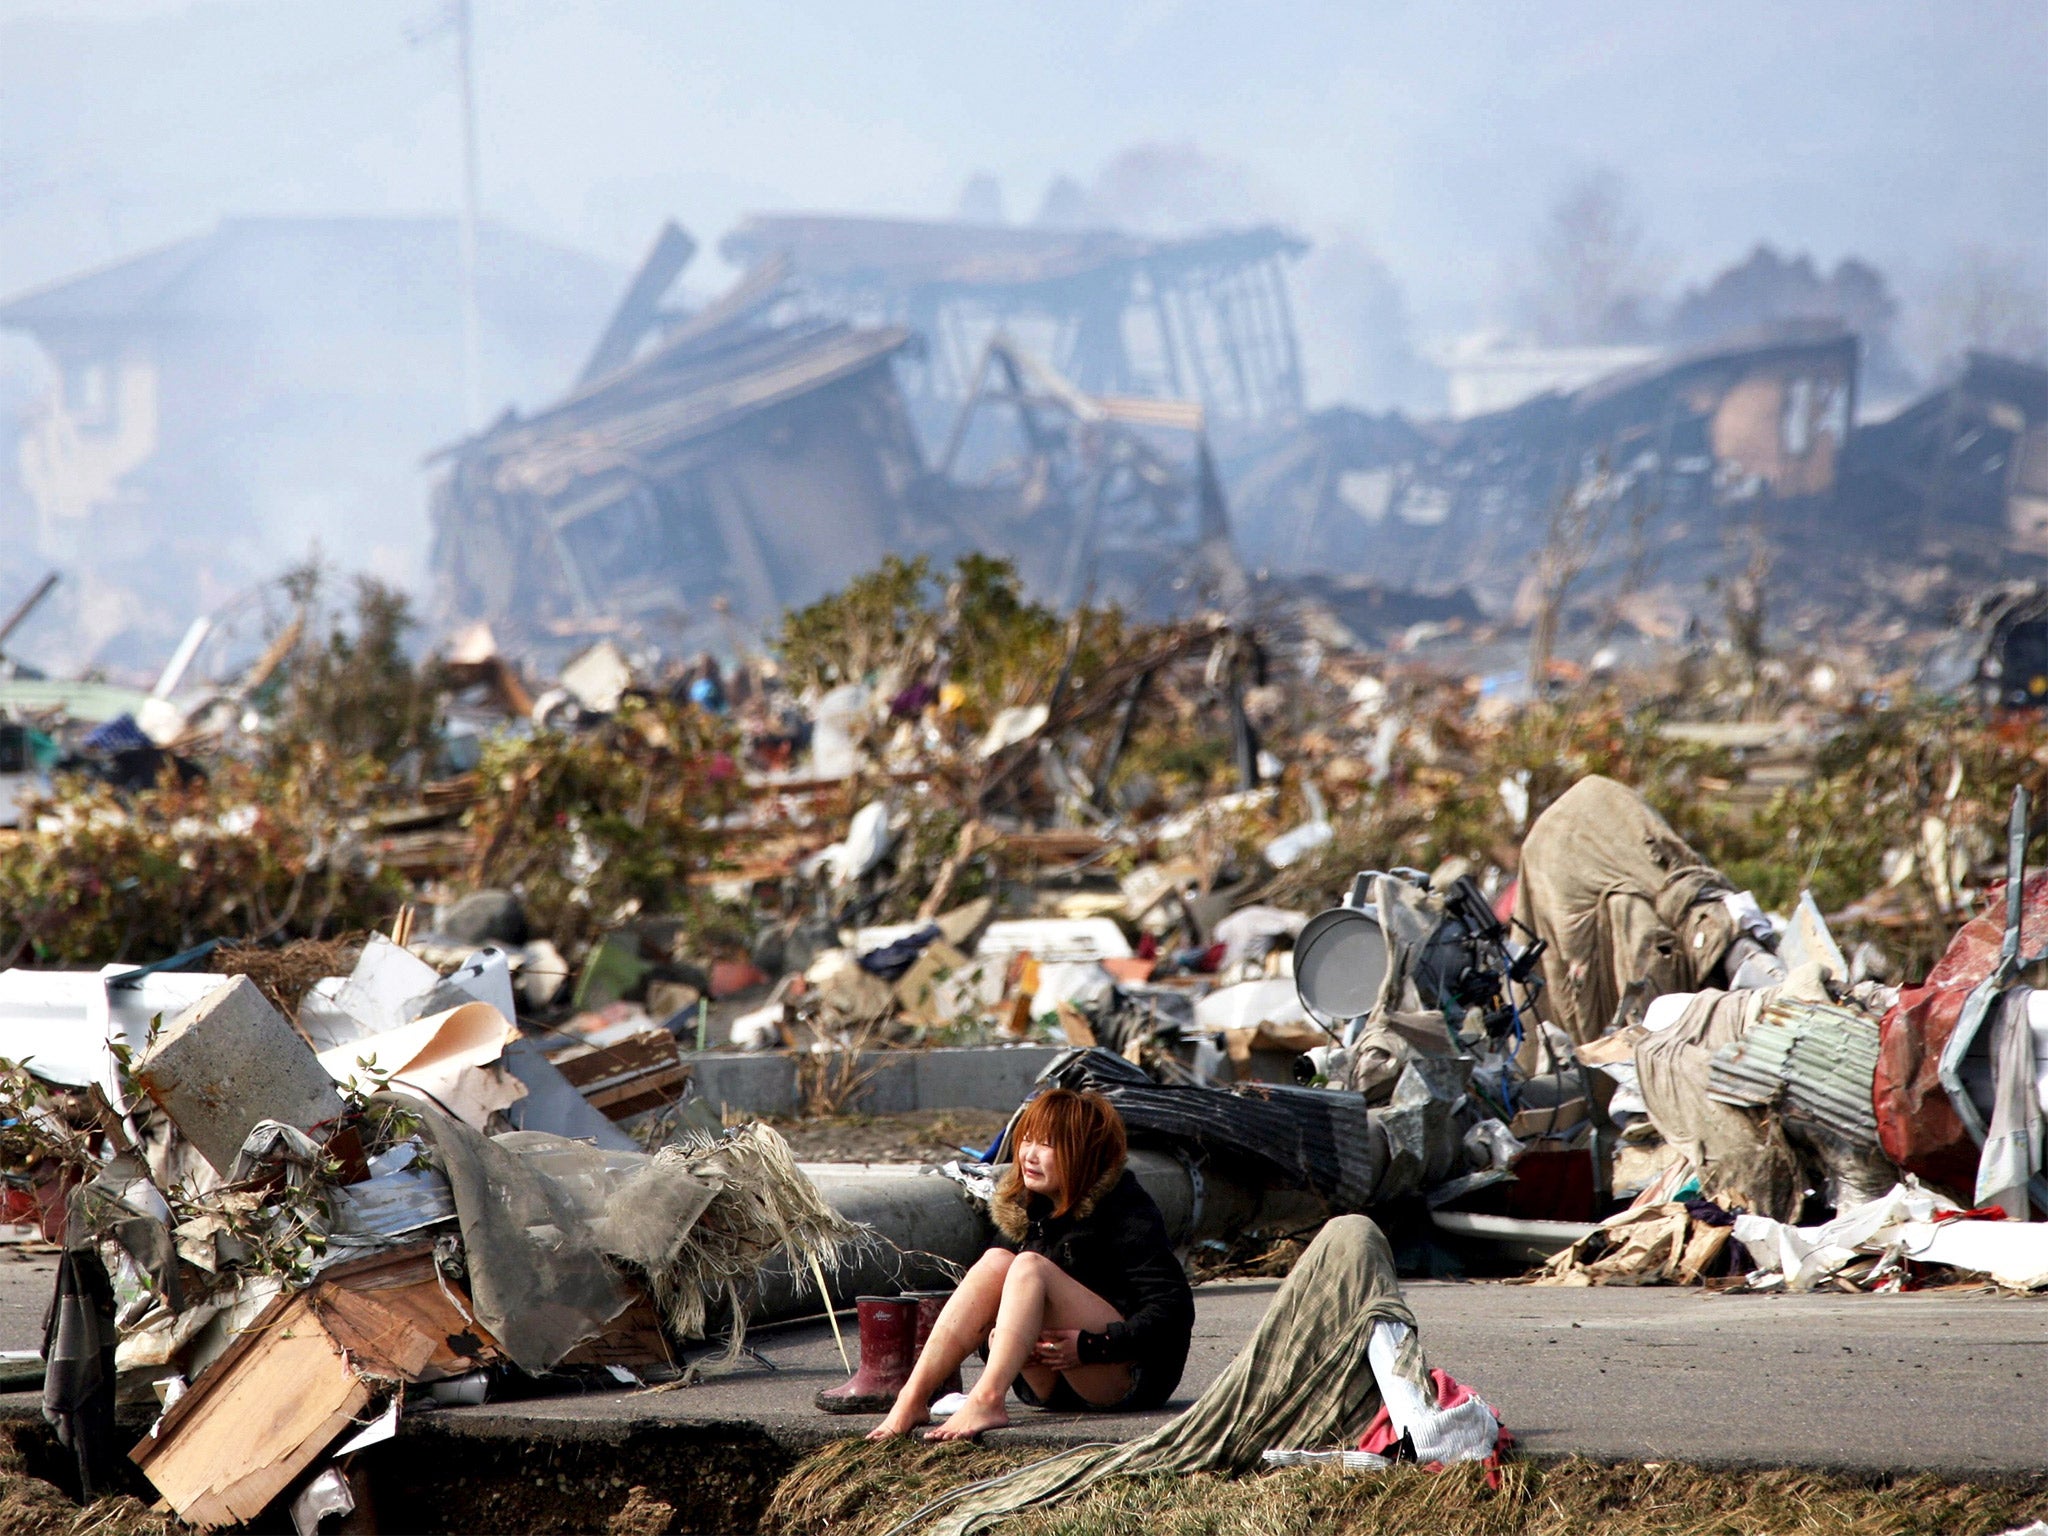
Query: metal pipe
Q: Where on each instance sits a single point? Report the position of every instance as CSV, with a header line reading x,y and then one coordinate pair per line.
x,y
927,1221
26,607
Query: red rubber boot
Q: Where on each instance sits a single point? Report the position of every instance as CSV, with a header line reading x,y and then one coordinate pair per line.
x,y
929,1305
888,1326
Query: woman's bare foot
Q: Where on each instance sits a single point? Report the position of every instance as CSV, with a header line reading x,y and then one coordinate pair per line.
x,y
902,1419
970,1422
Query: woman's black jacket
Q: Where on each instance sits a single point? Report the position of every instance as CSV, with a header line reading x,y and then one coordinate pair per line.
x,y
1114,1242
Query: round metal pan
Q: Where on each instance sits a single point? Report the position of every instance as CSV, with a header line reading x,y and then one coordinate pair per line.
x,y
1340,960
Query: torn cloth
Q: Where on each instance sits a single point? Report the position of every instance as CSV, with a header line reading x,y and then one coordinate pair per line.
x,y
1741,1154
537,1276
1304,1379
78,1379
2012,1140
545,1220
1628,910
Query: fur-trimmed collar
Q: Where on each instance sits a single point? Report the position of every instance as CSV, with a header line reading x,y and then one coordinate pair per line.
x,y
1013,1220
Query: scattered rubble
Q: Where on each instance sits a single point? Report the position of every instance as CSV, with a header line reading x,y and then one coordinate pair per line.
x,y
312,1033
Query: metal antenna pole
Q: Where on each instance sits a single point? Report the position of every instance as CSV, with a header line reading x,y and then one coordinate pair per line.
x,y
472,318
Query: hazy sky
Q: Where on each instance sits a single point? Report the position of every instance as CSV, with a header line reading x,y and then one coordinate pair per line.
x,y
1433,134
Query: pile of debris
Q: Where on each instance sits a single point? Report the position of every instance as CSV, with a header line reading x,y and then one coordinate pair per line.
x,y
941,814
1910,1119
283,1233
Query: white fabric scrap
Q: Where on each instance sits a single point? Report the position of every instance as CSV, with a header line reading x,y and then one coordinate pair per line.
x,y
1010,726
1806,1255
1082,983
1253,929
867,840
2037,1025
1468,1432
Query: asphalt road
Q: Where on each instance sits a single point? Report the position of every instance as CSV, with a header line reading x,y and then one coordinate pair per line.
x,y
1949,1382
26,1279
1944,1382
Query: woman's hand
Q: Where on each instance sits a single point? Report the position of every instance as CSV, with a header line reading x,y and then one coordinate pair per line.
x,y
1059,1349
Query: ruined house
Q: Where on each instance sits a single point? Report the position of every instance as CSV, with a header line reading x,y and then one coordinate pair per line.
x,y
1963,471
1675,451
1204,318
217,405
735,461
757,454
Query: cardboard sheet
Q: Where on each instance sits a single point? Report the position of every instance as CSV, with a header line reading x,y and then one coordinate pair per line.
x,y
456,1058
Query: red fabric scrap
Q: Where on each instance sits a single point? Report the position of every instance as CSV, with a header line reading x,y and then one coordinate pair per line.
x,y
1916,1124
1380,1438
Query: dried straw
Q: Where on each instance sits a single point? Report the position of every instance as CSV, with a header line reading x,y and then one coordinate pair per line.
x,y
286,972
854,1488
761,1205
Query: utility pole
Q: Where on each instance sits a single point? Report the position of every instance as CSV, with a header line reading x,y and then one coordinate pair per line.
x,y
472,317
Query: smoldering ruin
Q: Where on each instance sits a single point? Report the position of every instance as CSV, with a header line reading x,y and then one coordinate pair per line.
x,y
586,840
1124,418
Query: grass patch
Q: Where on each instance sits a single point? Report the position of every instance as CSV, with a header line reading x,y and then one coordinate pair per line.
x,y
856,1489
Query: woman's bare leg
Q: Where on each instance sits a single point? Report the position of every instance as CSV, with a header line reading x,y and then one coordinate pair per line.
x,y
1037,1296
964,1322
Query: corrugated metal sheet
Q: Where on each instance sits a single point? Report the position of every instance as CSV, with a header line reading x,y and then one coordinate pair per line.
x,y
1810,1058
1307,1138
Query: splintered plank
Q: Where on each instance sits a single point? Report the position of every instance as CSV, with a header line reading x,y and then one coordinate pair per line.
x,y
403,1283
649,1050
622,1100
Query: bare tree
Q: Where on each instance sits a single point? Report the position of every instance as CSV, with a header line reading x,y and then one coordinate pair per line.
x,y
1579,520
1594,270
1745,601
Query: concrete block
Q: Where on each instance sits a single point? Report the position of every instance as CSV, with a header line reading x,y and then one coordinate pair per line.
x,y
229,1061
979,1077
758,1083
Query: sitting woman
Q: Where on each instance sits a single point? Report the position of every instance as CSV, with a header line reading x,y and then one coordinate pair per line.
x,y
1080,1303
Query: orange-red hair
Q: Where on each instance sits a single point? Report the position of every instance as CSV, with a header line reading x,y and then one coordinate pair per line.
x,y
1086,1135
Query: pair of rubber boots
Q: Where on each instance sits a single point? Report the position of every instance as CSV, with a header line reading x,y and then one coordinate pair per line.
x,y
893,1332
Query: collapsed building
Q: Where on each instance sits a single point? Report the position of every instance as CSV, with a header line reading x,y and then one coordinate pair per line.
x,y
1676,448
1081,402
1672,474
732,459
1204,318
1965,467
756,454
